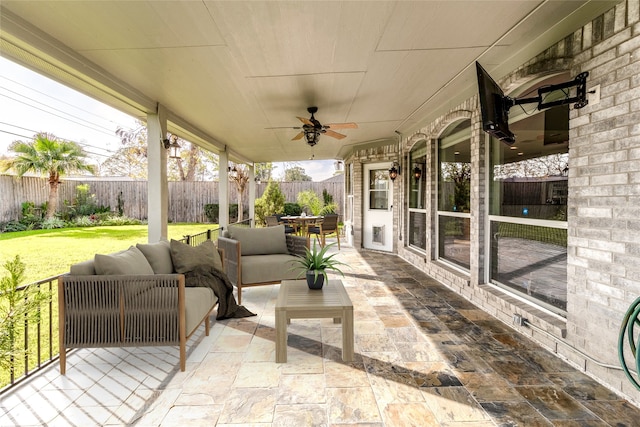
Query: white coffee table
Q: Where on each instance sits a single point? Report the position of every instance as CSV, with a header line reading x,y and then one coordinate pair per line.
x,y
297,301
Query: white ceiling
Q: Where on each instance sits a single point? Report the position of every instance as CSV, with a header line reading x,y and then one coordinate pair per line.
x,y
228,70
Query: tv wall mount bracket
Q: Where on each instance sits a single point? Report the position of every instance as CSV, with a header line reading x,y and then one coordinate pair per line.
x,y
580,83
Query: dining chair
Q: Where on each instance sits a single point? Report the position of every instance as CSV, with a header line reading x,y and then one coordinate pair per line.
x,y
271,220
327,225
289,228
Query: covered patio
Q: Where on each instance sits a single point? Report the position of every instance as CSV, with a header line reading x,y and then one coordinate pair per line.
x,y
237,78
424,356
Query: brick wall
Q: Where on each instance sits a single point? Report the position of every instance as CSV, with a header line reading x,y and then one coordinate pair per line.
x,y
604,189
604,199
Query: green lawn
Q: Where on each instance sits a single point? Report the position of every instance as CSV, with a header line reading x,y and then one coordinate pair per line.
x,y
50,252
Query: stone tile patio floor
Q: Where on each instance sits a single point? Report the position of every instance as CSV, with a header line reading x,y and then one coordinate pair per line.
x,y
424,357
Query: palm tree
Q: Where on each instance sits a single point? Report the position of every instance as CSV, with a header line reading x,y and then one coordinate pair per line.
x,y
47,155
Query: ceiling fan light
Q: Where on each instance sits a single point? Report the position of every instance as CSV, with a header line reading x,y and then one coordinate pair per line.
x,y
312,136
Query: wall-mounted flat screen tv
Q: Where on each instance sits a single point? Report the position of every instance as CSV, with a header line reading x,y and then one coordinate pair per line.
x,y
494,107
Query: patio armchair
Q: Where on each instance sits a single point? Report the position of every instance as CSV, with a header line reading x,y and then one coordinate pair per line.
x,y
260,256
327,225
134,298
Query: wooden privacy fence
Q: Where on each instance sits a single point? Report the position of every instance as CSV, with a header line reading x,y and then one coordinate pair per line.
x,y
186,199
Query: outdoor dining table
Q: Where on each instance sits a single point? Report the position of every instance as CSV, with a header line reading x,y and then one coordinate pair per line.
x,y
302,221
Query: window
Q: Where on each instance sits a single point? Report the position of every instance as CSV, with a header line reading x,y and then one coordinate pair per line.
x,y
454,195
528,208
378,189
417,195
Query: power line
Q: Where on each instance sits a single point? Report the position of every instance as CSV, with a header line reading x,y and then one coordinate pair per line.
x,y
66,139
86,151
58,115
57,99
30,137
79,143
16,134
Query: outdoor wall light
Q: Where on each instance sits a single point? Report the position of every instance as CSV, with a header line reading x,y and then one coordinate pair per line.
x,y
394,171
417,173
172,143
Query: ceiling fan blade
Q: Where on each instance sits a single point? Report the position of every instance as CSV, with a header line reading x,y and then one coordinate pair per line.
x,y
298,136
285,127
342,125
305,121
333,134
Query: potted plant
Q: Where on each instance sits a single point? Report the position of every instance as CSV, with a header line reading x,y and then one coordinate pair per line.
x,y
315,264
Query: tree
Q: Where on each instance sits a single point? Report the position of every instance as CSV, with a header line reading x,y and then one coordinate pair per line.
x,y
131,159
188,164
264,171
460,174
49,155
296,173
271,202
240,177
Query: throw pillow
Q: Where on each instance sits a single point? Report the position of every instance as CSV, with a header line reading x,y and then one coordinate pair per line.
x,y
130,261
158,255
260,241
84,268
186,257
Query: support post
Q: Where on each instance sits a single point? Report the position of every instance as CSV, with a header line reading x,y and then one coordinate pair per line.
x,y
252,194
158,188
223,190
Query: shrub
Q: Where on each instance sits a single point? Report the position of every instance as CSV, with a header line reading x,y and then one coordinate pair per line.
x,y
211,211
11,226
260,211
51,223
330,208
310,202
292,209
84,221
16,308
84,205
32,215
100,217
233,212
119,220
271,202
327,198
120,204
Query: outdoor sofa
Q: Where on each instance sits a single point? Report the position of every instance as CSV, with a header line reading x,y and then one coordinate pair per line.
x,y
260,256
136,297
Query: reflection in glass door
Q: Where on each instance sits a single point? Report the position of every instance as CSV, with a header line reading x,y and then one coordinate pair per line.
x,y
416,191
378,213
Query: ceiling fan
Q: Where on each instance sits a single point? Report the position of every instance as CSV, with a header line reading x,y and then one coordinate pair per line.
x,y
311,128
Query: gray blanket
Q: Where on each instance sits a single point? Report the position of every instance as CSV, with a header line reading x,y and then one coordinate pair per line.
x,y
207,276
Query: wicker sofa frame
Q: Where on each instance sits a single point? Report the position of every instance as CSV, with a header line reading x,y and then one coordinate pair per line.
x,y
296,245
97,311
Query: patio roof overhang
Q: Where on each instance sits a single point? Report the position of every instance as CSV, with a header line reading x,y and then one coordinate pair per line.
x,y
228,73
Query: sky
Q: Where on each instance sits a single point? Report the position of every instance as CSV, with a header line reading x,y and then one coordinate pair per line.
x,y
31,103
